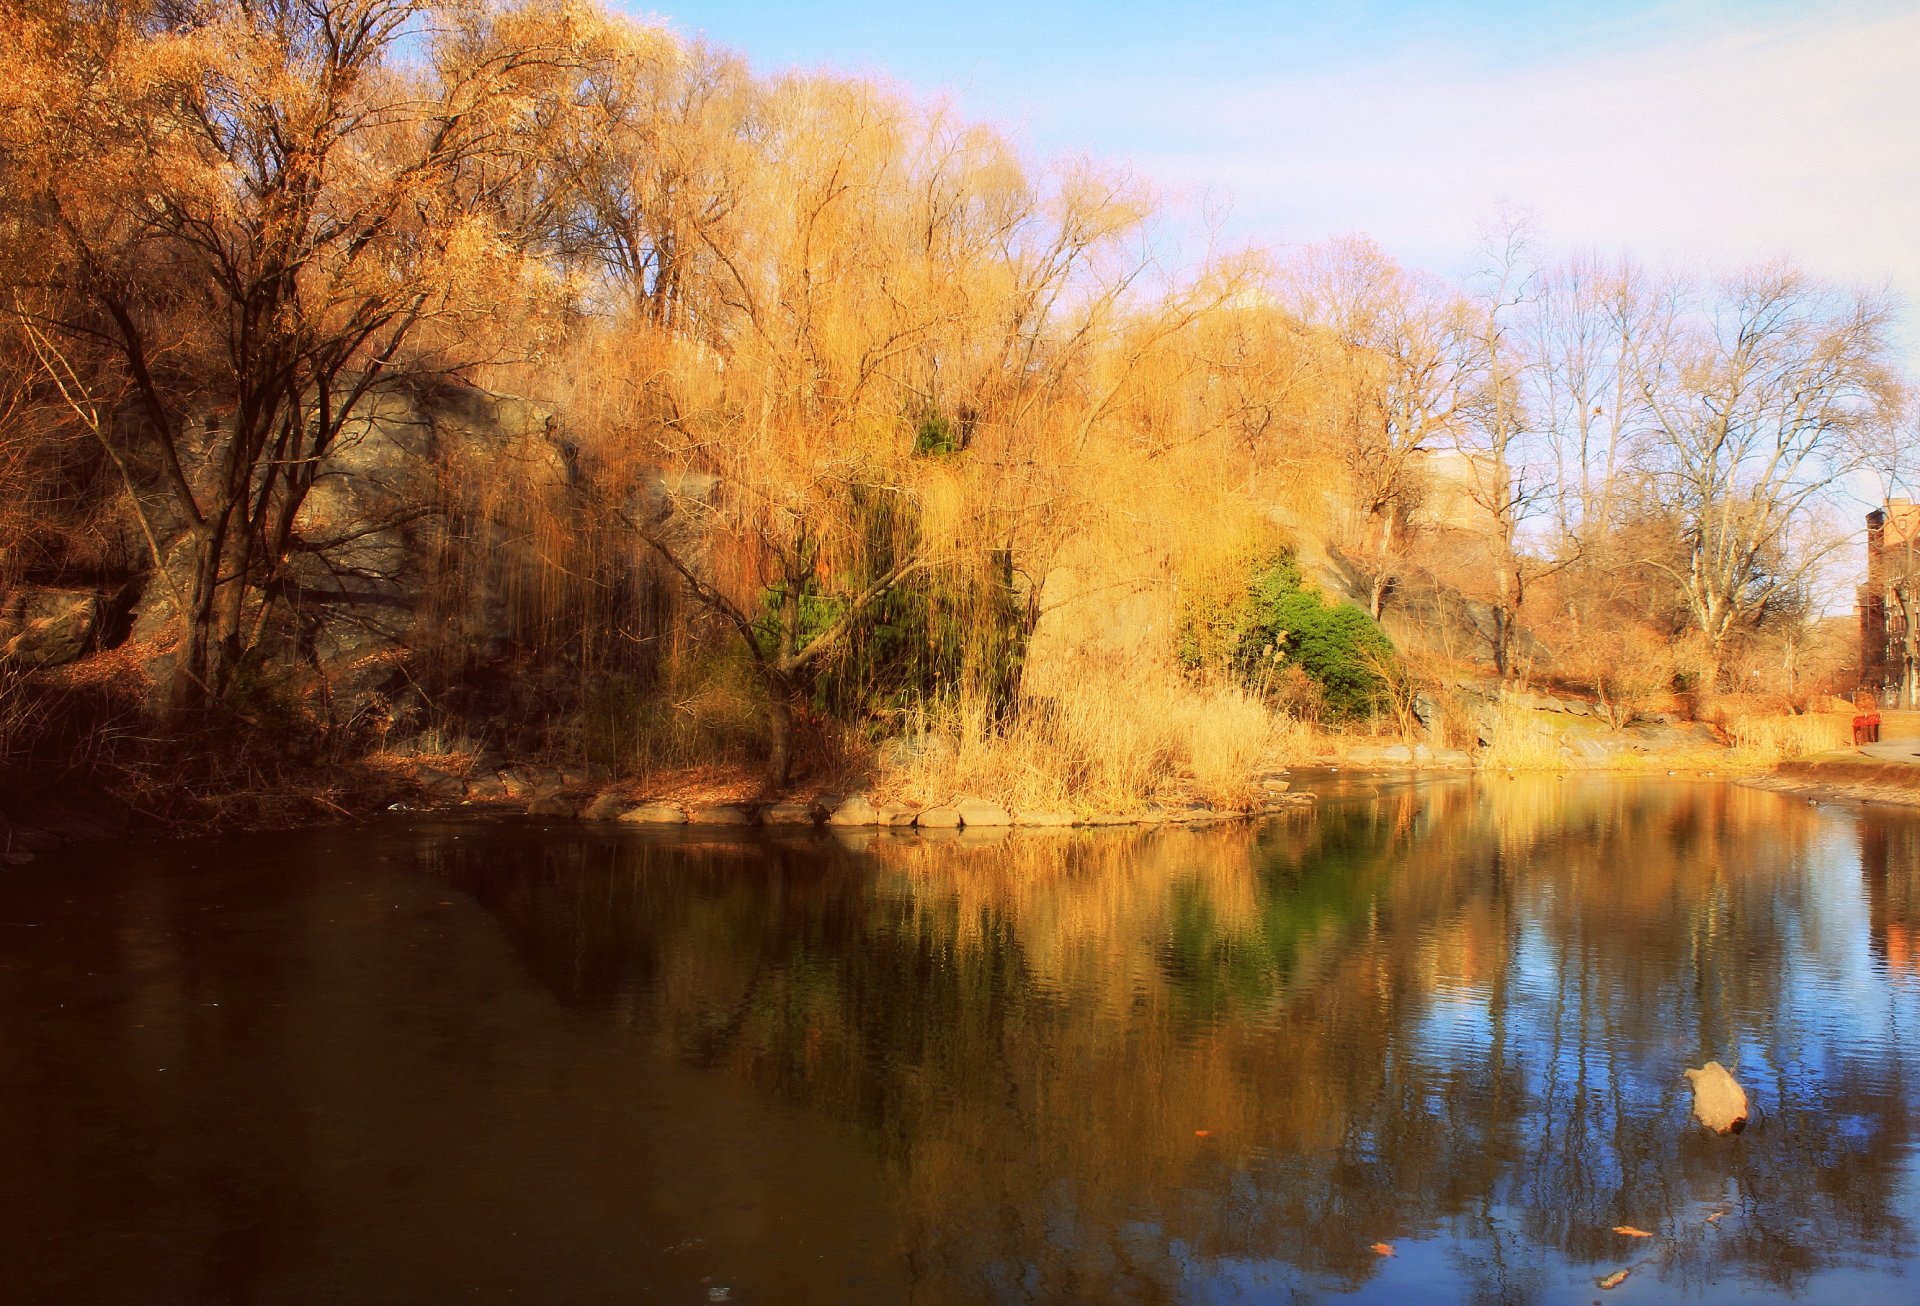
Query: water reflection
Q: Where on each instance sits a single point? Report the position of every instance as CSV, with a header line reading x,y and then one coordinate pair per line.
x,y
577,1064
1174,1066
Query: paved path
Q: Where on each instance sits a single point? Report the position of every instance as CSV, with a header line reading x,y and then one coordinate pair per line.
x,y
1899,738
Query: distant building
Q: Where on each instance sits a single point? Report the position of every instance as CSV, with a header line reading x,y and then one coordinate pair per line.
x,y
1887,603
1458,487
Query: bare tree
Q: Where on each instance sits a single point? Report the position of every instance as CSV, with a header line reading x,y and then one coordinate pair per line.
x,y
1760,400
254,210
1405,359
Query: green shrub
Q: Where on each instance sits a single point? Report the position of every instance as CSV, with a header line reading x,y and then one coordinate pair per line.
x,y
1277,627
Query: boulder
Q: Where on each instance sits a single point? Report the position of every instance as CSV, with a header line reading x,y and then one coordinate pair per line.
x,y
532,781
940,818
1042,817
550,805
1276,786
438,784
978,812
1719,1102
898,815
488,788
789,814
855,810
605,807
654,814
720,814
48,628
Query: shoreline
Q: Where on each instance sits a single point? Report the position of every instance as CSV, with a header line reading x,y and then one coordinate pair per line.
x,y
1844,778
705,800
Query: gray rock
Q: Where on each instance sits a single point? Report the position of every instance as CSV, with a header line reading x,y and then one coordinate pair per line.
x,y
720,814
654,814
898,815
855,810
1041,817
977,812
1276,786
48,628
1425,710
438,784
789,814
488,787
940,818
532,781
1588,752
550,805
606,807
1110,818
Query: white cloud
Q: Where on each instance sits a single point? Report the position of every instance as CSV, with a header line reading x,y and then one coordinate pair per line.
x,y
1720,145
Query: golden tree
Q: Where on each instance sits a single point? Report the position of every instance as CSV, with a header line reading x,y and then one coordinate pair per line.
x,y
256,215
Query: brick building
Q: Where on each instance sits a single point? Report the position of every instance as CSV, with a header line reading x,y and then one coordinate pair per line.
x,y
1888,603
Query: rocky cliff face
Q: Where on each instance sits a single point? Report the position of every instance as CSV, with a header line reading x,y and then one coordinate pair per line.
x,y
397,515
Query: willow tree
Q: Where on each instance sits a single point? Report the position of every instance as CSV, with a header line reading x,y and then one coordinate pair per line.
x,y
254,216
875,350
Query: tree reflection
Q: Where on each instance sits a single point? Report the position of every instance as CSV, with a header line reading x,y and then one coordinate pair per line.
x,y
1132,1066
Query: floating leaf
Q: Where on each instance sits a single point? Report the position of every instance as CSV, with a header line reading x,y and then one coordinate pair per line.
x,y
1615,1279
1381,1249
1714,1218
1630,1231
1203,1133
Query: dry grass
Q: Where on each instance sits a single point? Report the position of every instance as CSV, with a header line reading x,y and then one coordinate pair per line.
x,y
1105,747
1777,737
1521,741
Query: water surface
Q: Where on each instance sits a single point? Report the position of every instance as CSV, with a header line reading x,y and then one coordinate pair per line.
x,y
436,1062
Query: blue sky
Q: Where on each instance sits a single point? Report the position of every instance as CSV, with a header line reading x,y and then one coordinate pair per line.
x,y
1703,133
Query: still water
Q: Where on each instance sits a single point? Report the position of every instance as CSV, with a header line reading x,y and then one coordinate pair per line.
x,y
457,1062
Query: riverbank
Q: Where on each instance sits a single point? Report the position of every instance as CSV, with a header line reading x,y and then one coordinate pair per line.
x,y
1845,777
1530,737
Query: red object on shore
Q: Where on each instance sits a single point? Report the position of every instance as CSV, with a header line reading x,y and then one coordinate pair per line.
x,y
1866,728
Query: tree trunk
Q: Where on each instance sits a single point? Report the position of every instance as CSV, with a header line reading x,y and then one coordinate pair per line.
x,y
193,667
780,730
1909,650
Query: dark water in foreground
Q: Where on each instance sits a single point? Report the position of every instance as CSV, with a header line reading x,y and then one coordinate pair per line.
x,y
438,1063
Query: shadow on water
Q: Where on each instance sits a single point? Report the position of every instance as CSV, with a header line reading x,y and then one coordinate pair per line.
x,y
1156,1066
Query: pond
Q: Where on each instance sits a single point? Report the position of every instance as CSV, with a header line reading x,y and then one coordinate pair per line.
x,y
1425,1043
